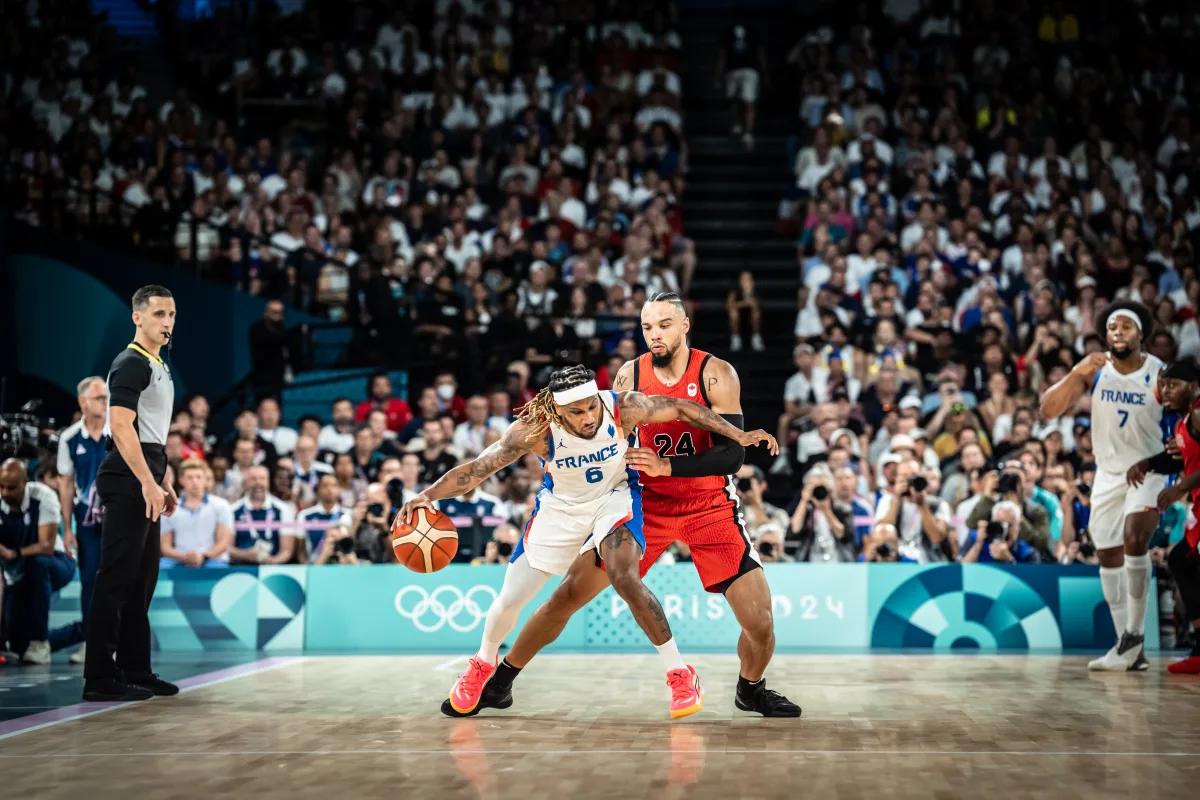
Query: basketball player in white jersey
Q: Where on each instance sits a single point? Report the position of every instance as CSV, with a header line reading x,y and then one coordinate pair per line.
x,y
589,506
1127,427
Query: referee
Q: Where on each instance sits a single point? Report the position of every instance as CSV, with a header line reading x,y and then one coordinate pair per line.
x,y
131,486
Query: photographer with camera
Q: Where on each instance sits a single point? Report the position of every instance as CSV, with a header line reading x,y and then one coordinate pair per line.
x,y
337,546
821,530
315,523
751,485
921,519
999,540
1011,486
34,563
372,525
882,546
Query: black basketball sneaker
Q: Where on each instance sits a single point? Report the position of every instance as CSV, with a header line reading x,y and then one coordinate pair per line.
x,y
758,698
493,697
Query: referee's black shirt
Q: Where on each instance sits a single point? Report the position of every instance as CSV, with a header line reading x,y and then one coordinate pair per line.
x,y
142,383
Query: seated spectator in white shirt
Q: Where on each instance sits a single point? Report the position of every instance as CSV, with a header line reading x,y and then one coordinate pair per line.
x,y
338,437
200,532
470,437
308,469
282,437
316,522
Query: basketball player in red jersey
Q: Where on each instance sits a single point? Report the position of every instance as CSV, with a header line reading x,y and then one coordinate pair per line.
x,y
1179,387
688,495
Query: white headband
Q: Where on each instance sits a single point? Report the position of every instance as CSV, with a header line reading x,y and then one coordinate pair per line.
x,y
1127,314
580,392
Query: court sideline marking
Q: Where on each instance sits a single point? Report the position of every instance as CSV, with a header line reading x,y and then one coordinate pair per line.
x,y
46,719
662,751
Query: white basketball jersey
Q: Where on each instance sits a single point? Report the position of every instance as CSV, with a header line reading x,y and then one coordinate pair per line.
x,y
582,470
1126,416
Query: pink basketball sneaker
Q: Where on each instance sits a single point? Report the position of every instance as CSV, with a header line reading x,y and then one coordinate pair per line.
x,y
686,695
465,693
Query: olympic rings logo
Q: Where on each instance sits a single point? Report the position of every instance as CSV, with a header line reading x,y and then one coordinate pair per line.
x,y
444,606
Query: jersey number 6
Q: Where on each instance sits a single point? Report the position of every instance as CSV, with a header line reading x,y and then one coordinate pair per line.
x,y
594,475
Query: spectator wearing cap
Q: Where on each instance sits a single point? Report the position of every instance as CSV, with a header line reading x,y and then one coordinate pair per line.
x,y
379,391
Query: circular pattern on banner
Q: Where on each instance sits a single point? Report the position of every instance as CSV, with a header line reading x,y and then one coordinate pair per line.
x,y
950,608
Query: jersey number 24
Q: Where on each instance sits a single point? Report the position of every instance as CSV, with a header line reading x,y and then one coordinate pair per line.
x,y
669,447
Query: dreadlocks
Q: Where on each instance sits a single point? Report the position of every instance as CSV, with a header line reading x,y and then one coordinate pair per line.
x,y
539,412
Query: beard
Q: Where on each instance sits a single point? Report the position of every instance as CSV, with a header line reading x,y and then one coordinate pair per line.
x,y
1121,353
664,360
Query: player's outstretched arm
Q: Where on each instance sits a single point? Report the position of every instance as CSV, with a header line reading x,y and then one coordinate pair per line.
x,y
518,440
637,408
1062,396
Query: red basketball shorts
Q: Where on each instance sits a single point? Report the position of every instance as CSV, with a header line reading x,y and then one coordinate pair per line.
x,y
711,527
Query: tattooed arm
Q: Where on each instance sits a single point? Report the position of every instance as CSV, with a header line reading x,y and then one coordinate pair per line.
x,y
725,457
624,380
465,478
637,408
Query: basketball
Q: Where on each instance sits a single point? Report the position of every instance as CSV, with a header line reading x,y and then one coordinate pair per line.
x,y
428,544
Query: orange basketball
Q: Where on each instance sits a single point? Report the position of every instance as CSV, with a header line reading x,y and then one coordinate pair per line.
x,y
428,543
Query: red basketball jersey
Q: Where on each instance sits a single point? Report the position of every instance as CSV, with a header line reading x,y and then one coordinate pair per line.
x,y
1189,448
677,438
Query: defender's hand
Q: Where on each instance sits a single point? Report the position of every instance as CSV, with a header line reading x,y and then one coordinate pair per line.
x,y
646,460
1166,497
759,436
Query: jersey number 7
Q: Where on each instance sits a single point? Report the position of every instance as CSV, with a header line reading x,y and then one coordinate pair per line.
x,y
1124,417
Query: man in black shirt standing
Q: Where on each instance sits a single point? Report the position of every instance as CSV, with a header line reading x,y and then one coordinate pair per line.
x,y
131,485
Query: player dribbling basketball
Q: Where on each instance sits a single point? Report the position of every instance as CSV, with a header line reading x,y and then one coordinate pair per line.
x,y
589,506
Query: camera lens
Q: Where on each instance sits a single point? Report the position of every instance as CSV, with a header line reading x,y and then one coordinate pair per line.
x,y
344,546
766,548
504,549
820,493
919,483
996,530
743,484
395,492
375,509
1008,483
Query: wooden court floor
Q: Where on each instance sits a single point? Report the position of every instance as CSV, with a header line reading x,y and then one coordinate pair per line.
x,y
595,726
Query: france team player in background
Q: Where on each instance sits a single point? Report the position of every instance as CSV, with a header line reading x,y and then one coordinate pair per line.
x,y
1127,427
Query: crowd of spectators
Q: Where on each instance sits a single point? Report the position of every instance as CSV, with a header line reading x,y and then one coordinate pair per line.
x,y
967,192
479,170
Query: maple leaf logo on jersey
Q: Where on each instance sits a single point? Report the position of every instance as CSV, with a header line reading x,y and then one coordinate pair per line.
x,y
692,390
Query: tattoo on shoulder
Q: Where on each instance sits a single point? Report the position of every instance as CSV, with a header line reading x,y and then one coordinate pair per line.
x,y
621,382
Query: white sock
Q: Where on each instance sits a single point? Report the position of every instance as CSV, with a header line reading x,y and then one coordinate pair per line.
x,y
1137,583
521,583
668,651
1112,581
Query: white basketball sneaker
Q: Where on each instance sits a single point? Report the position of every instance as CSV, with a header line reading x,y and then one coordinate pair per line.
x,y
79,656
37,653
1127,655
